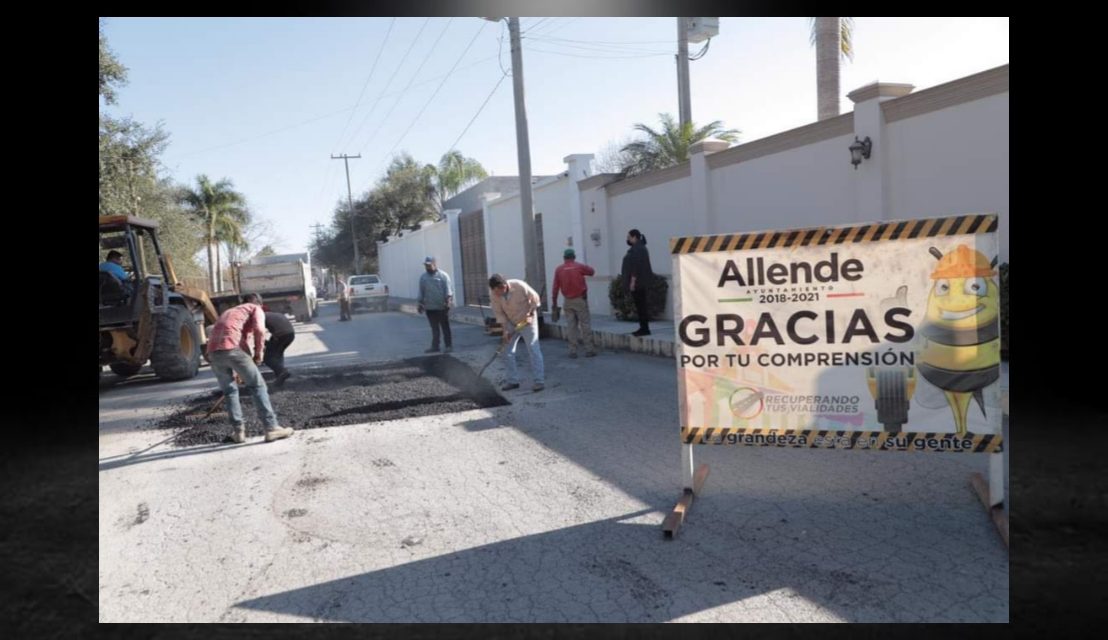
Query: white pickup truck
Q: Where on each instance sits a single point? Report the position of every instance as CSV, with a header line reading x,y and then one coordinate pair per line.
x,y
368,290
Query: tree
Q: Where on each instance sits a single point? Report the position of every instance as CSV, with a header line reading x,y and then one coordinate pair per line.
x,y
405,196
834,40
128,164
220,208
130,180
612,158
456,172
112,73
229,234
257,232
267,250
670,145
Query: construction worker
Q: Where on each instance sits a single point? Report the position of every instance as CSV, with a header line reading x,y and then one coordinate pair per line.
x,y
344,301
569,280
515,304
229,353
114,265
436,297
281,335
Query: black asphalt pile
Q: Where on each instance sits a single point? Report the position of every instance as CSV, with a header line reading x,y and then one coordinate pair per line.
x,y
347,395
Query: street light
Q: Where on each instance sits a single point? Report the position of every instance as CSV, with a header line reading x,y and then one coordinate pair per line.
x,y
860,149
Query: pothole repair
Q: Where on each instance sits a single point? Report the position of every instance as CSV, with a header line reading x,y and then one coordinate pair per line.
x,y
333,397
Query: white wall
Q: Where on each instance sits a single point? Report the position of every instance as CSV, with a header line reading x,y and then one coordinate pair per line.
x,y
552,201
952,161
802,187
401,258
504,238
659,212
505,247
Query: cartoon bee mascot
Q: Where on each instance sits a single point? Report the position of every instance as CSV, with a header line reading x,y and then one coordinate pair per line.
x,y
961,332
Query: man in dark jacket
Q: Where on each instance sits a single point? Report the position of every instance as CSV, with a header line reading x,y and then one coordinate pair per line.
x,y
281,335
637,277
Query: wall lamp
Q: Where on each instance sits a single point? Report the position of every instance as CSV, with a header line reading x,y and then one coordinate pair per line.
x,y
860,149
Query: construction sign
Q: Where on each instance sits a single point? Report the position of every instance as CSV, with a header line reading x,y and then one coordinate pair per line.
x,y
881,336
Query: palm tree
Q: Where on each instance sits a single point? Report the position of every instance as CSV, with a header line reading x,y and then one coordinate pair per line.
x,y
833,38
670,145
221,209
456,172
229,231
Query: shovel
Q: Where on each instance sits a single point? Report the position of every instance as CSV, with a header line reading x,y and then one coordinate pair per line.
x,y
503,345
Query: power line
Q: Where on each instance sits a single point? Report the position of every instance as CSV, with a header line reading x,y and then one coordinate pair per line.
x,y
320,117
429,100
354,109
562,26
388,84
535,25
368,78
500,46
598,57
598,48
547,36
479,110
329,178
703,51
263,135
413,77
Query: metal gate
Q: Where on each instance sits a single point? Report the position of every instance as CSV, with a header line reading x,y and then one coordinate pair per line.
x,y
475,274
540,286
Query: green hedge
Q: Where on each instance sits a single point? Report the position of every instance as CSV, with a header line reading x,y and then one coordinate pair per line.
x,y
623,305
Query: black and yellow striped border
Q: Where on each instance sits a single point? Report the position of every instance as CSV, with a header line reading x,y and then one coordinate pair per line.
x,y
982,443
878,232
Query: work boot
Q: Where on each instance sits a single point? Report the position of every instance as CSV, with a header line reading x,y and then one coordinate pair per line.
x,y
538,387
448,350
508,386
276,433
280,382
238,434
590,354
432,350
641,332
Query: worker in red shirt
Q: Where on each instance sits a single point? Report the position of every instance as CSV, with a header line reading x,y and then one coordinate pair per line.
x,y
229,353
569,280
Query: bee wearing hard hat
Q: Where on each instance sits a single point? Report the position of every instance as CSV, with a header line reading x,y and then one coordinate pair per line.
x,y
961,350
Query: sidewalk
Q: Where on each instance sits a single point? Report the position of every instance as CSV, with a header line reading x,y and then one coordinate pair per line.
x,y
608,332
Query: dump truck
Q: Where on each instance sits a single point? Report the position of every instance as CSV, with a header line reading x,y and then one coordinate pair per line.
x,y
284,282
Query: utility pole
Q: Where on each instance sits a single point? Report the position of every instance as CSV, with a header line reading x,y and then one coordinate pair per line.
x,y
684,100
350,200
315,227
523,148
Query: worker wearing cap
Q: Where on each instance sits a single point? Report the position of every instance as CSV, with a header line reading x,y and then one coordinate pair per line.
x,y
516,306
436,297
569,280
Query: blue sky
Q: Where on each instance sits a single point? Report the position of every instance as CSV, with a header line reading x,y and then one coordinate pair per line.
x,y
266,101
